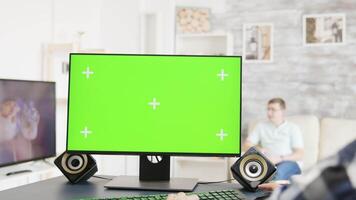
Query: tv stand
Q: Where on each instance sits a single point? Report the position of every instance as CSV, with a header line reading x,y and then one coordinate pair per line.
x,y
154,175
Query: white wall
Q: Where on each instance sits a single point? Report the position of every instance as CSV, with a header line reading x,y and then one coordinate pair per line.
x,y
71,17
164,9
113,25
24,26
120,26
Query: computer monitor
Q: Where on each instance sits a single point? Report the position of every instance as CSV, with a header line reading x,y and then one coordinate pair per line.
x,y
172,105
27,121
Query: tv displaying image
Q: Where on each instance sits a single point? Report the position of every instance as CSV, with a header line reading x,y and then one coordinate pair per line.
x,y
27,121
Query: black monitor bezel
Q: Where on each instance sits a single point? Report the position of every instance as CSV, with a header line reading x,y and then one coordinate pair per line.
x,y
53,154
152,153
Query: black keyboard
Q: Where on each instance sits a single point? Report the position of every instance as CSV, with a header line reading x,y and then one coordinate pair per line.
x,y
222,194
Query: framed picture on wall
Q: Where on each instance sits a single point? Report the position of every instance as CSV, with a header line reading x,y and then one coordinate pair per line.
x,y
192,20
324,29
258,42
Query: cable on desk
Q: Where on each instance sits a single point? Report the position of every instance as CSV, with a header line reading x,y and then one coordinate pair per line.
x,y
211,182
103,178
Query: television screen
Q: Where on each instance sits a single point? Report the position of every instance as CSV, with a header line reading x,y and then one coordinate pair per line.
x,y
27,121
136,104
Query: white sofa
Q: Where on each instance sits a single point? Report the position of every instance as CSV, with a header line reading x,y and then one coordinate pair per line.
x,y
321,138
335,134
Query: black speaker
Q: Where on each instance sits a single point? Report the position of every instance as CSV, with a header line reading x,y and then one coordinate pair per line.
x,y
252,169
76,167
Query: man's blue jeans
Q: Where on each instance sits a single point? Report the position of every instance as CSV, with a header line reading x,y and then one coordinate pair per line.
x,y
286,169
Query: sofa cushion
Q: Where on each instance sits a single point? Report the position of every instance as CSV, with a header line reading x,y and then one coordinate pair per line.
x,y
309,126
335,134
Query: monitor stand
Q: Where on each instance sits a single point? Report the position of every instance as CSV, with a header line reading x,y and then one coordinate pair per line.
x,y
154,175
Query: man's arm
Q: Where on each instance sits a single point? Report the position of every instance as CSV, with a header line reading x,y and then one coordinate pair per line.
x,y
295,156
297,144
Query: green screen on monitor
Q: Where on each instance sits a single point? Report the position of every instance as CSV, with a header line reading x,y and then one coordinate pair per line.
x,y
142,104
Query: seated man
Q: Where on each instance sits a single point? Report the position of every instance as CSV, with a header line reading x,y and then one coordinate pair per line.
x,y
281,141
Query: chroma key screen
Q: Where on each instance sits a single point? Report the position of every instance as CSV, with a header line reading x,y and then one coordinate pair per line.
x,y
121,103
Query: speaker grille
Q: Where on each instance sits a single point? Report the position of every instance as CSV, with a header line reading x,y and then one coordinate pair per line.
x,y
253,160
74,163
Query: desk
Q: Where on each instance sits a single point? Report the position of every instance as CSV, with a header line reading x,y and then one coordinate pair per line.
x,y
59,189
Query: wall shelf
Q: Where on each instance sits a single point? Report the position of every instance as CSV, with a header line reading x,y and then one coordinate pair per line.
x,y
214,43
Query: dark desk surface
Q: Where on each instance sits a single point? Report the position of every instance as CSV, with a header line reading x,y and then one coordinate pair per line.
x,y
59,188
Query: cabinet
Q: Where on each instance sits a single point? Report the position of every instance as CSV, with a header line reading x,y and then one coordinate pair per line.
x,y
41,170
